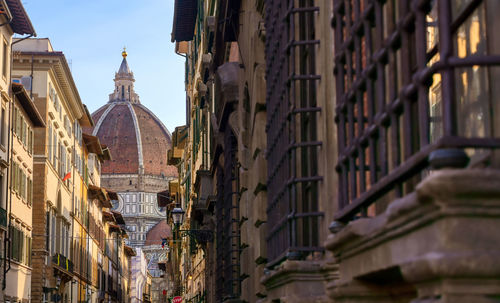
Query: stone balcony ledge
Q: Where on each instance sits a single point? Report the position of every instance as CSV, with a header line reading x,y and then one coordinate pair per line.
x,y
446,229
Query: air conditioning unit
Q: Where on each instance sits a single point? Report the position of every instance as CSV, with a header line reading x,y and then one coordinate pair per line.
x,y
202,88
206,59
26,82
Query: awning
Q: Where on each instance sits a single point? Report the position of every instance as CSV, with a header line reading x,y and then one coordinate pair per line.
x,y
106,154
21,23
92,143
118,217
112,195
129,251
163,198
124,233
185,12
114,227
107,216
96,192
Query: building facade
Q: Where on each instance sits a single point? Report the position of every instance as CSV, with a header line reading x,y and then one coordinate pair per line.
x,y
14,20
25,119
78,252
56,98
341,137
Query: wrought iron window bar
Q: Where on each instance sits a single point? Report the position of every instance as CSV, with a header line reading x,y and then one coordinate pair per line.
x,y
293,213
390,83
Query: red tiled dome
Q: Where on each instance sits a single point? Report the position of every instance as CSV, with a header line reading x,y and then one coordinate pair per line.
x,y
135,137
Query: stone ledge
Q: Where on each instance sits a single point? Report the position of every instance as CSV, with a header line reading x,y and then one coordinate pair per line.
x,y
425,244
445,193
296,281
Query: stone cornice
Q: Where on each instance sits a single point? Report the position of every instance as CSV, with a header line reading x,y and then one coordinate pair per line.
x,y
57,64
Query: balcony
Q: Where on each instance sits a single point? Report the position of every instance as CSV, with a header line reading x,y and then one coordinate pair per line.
x,y
62,262
228,91
203,188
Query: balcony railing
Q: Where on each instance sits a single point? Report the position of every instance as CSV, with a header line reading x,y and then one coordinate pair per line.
x,y
63,262
412,77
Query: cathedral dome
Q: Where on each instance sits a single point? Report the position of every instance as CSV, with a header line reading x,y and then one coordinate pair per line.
x,y
137,139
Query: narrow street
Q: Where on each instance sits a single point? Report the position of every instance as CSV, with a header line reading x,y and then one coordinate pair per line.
x,y
240,151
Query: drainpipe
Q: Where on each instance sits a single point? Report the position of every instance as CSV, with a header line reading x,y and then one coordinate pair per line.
x,y
73,209
6,247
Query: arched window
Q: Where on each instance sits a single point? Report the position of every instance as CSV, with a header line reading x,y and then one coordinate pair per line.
x,y
123,92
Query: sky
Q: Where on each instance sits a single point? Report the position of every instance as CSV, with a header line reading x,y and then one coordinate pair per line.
x,y
92,34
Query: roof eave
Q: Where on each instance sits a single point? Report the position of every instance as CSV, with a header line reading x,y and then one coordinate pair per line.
x,y
21,23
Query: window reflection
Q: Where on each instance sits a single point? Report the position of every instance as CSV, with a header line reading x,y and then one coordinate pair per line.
x,y
472,91
472,83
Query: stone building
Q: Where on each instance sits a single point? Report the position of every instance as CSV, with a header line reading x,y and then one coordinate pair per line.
x,y
25,119
14,20
139,143
340,159
418,180
57,99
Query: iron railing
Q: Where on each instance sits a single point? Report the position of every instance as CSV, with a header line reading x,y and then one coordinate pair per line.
x,y
63,262
412,76
293,213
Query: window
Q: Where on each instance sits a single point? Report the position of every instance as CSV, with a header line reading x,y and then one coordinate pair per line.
x,y
49,234
20,247
14,121
54,148
2,128
53,232
5,58
30,192
30,141
227,228
18,123
400,99
49,149
293,212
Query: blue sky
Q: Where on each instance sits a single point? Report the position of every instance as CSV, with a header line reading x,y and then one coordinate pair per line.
x,y
92,34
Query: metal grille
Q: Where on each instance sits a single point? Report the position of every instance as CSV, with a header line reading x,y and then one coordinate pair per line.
x,y
231,244
412,76
293,214
219,239
228,282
